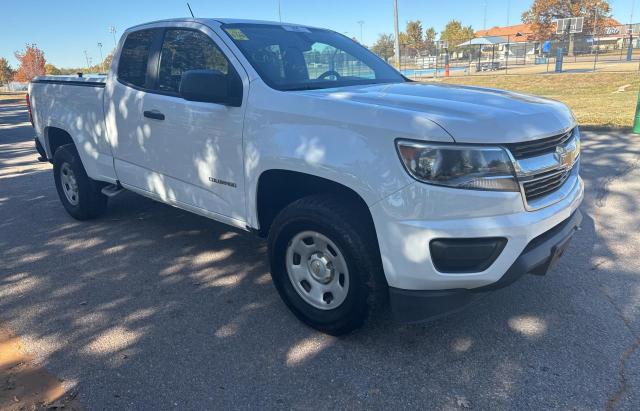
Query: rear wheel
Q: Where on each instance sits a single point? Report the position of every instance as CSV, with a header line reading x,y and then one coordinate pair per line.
x,y
80,195
325,264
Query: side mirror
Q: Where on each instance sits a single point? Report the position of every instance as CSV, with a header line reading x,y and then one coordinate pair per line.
x,y
211,86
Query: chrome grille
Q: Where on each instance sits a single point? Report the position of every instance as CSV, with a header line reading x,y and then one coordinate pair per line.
x,y
545,183
544,167
538,147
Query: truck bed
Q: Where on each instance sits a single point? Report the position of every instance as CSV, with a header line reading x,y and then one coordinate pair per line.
x,y
74,104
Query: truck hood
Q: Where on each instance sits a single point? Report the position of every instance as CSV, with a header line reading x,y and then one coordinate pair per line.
x,y
468,114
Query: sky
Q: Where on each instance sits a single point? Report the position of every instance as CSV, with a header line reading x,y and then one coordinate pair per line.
x,y
65,29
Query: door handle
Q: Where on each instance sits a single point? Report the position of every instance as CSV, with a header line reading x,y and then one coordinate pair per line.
x,y
154,114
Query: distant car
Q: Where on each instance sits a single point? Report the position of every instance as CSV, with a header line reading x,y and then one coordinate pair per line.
x,y
367,185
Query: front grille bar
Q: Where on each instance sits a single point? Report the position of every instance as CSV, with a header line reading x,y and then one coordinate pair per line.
x,y
538,147
539,177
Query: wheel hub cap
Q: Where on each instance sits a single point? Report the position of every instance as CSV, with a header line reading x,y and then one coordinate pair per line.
x,y
69,184
317,270
321,268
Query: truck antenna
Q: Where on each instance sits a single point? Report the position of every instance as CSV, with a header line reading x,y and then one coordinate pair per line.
x,y
190,11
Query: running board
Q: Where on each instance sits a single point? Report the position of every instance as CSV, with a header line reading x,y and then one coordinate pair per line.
x,y
112,190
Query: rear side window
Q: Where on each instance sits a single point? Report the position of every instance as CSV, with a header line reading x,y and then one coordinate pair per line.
x,y
132,66
184,50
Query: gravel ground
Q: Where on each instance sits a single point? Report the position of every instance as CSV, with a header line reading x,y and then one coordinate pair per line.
x,y
151,307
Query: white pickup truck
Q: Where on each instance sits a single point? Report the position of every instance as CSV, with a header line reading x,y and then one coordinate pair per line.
x,y
371,188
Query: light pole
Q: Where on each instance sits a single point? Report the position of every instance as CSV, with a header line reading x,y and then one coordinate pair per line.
x,y
361,23
484,18
630,48
101,59
596,37
280,11
396,34
113,30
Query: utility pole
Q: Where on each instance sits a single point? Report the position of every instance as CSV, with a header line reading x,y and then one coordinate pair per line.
x,y
397,33
508,11
101,59
86,56
113,30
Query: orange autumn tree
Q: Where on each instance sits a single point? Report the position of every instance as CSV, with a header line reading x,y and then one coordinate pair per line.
x,y
31,63
543,13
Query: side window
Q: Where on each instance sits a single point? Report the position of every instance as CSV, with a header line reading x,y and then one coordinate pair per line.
x,y
184,50
132,66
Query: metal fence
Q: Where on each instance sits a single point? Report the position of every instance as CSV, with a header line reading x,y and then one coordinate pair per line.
x,y
615,49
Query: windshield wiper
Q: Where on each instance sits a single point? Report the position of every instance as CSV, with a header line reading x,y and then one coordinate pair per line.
x,y
305,87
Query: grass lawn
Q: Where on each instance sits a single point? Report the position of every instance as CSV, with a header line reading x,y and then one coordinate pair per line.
x,y
593,97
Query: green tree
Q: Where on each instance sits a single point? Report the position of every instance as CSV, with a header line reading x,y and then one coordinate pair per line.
x,y
52,70
455,33
102,67
106,63
411,40
6,72
430,40
542,15
414,33
384,46
404,39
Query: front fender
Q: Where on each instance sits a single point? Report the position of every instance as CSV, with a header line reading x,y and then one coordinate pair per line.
x,y
348,143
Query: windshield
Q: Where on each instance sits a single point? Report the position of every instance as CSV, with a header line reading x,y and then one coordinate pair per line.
x,y
300,58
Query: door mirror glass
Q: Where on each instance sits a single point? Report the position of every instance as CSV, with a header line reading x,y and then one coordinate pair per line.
x,y
211,86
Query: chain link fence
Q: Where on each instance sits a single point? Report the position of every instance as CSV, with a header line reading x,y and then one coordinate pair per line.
x,y
14,86
615,49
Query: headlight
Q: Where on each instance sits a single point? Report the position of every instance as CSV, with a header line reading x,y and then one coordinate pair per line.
x,y
459,166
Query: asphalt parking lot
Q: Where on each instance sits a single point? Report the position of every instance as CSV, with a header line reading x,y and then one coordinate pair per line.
x,y
150,307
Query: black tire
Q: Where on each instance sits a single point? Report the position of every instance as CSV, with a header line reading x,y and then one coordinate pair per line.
x,y
351,230
90,202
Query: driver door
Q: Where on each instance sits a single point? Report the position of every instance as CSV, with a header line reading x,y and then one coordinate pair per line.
x,y
185,153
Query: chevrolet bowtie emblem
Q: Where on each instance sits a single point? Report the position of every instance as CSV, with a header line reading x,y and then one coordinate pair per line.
x,y
566,155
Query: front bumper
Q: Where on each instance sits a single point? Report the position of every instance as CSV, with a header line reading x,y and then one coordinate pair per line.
x,y
409,220
411,306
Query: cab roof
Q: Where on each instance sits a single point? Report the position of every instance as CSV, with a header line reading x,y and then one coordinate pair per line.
x,y
208,21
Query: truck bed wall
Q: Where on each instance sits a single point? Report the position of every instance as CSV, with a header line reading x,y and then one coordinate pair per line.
x,y
74,105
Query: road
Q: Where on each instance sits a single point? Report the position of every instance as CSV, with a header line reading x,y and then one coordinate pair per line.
x,y
150,307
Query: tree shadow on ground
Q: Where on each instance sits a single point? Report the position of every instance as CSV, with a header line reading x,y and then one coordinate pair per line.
x,y
152,307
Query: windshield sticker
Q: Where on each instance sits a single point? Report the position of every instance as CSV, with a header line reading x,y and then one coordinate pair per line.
x,y
237,34
298,29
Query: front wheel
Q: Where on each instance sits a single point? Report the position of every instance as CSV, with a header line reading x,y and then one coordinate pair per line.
x,y
80,195
325,263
